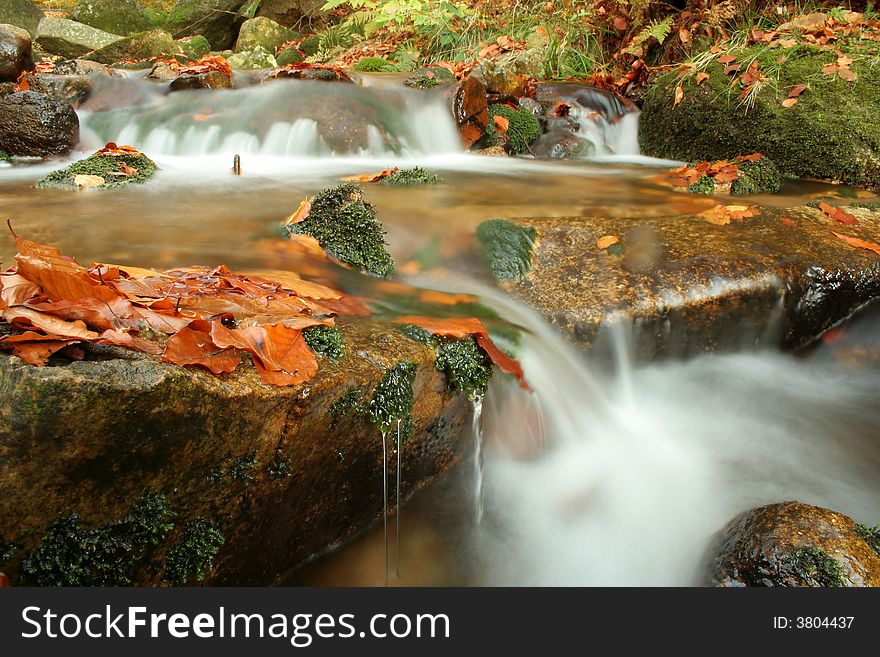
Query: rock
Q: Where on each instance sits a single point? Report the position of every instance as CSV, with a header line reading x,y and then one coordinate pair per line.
x,y
73,89
194,47
21,13
276,475
33,125
815,138
315,73
428,77
561,144
492,151
290,55
217,20
85,67
104,171
123,17
470,108
259,57
795,544
144,45
210,80
299,14
70,39
16,52
687,285
263,32
509,73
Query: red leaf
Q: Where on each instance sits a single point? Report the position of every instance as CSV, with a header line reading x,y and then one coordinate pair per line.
x,y
191,347
858,243
838,215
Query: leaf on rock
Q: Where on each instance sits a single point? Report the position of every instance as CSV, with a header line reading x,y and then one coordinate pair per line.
x,y
85,181
606,241
858,243
191,347
16,289
361,178
302,211
26,317
838,215
679,95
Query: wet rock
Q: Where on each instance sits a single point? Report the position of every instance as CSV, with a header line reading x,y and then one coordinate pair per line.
x,y
687,285
259,57
297,14
16,52
73,89
123,17
262,32
21,13
33,125
70,39
216,20
561,144
235,453
509,73
193,47
316,73
471,110
794,544
85,67
210,80
812,139
144,45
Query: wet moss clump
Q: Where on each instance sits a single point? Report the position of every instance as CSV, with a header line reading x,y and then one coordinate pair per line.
x,y
71,554
409,177
429,77
346,227
393,398
871,535
466,367
7,549
522,130
868,205
352,402
325,340
705,185
192,557
4,157
816,568
374,65
506,248
141,168
244,468
418,334
758,177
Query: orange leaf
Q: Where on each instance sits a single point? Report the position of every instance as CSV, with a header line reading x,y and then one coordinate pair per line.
x,y
191,347
858,243
679,95
838,215
501,123
113,150
16,289
35,348
787,221
606,241
279,348
130,341
701,77
302,211
363,178
789,102
26,317
22,84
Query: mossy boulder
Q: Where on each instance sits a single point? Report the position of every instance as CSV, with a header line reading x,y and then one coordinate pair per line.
x,y
263,32
113,170
193,47
69,39
522,129
374,65
21,13
295,13
144,45
794,544
428,77
123,17
290,55
16,52
259,57
410,177
217,20
192,471
831,133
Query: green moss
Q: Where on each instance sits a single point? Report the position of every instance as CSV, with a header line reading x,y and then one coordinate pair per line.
x,y
72,555
758,177
7,550
243,468
429,77
4,157
467,368
351,402
869,205
325,340
522,130
871,536
705,185
192,557
506,248
392,399
311,45
816,568
194,47
418,334
103,166
408,177
346,227
374,65
290,55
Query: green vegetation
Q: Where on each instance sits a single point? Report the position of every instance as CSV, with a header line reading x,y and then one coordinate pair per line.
x,y
466,366
72,555
352,402
522,130
192,557
7,549
816,568
705,185
392,399
506,248
429,77
4,157
374,65
325,340
410,177
243,468
758,177
871,536
141,169
346,227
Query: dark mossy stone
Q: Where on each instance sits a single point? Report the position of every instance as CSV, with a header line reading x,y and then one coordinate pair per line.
x,y
104,166
392,399
290,55
759,177
194,47
522,129
141,46
217,20
506,247
410,177
325,340
192,557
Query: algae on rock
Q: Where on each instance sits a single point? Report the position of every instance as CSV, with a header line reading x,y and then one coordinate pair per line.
x,y
107,167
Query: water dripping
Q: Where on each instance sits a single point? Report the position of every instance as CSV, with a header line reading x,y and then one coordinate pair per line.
x,y
478,458
397,506
385,497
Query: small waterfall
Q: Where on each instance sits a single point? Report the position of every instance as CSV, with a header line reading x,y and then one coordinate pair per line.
x,y
385,497
397,506
478,458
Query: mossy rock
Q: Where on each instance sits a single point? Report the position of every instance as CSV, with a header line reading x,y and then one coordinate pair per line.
x,y
506,248
290,55
122,17
263,32
311,45
429,77
21,13
523,128
831,133
104,166
140,46
410,177
194,47
325,341
374,65
70,39
217,20
257,58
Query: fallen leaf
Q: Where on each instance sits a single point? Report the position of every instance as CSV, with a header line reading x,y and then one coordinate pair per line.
x,y
787,221
129,341
731,69
501,123
606,241
679,95
701,77
789,102
302,211
362,178
858,243
85,181
838,215
27,317
191,347
797,90
16,289
726,59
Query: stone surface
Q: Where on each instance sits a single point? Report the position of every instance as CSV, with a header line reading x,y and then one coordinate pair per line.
x,y
264,32
296,14
509,73
194,47
144,45
780,545
211,80
16,52
688,286
216,20
121,17
259,57
70,39
32,124
21,13
285,473
470,108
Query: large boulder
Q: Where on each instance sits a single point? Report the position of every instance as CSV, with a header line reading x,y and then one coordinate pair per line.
x,y
257,58
689,283
16,52
263,477
217,20
21,13
795,544
144,45
832,132
70,39
297,14
32,124
121,17
263,32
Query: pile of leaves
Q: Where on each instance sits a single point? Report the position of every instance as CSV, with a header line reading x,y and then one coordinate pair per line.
x,y
206,64
309,71
111,166
746,174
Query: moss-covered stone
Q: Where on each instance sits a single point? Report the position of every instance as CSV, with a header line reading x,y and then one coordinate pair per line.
x,y
345,225
70,39
4,157
871,535
123,17
217,20
759,177
374,65
257,58
244,467
310,45
429,77
103,166
817,568
194,47
392,399
21,13
831,133
705,185
467,368
290,55
263,32
325,340
506,248
192,557
143,45
522,129
409,177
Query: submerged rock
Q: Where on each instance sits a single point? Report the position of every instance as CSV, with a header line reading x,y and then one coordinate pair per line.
x,y
32,124
21,13
470,108
16,52
123,17
70,39
143,45
262,32
103,171
795,544
216,479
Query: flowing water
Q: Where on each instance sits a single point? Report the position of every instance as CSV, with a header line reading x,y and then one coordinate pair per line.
x,y
617,474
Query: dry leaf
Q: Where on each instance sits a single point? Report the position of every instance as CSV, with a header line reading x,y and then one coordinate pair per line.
x,y
85,181
838,215
606,241
858,243
679,95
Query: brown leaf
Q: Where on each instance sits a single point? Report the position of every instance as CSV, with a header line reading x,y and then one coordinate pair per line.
x,y
787,221
113,150
305,207
726,59
97,313
191,347
701,77
606,241
25,317
789,102
838,215
732,68
130,341
858,243
279,348
501,123
363,178
85,181
679,95
34,348
16,289
797,90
